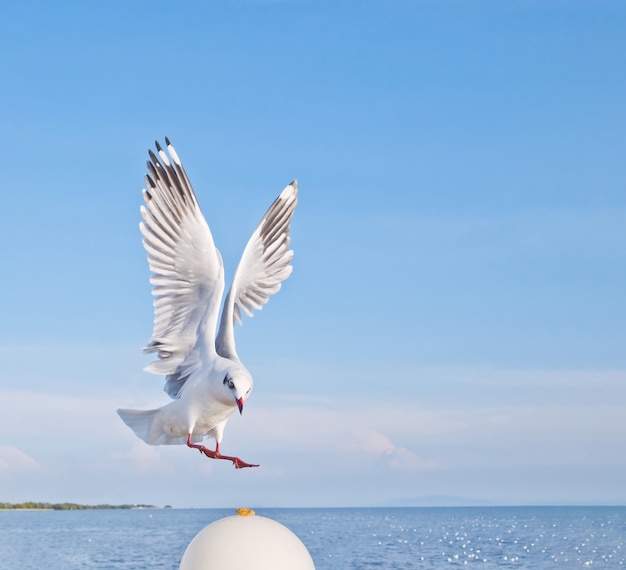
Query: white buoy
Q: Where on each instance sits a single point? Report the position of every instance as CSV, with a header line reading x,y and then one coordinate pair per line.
x,y
246,542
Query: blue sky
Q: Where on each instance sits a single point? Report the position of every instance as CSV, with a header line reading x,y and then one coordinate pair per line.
x,y
455,321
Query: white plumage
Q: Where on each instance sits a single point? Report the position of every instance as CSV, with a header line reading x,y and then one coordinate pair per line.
x,y
203,372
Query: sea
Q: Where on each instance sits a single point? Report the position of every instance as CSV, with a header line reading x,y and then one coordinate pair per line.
x,y
342,538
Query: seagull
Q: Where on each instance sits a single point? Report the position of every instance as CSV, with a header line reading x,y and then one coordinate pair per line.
x,y
203,373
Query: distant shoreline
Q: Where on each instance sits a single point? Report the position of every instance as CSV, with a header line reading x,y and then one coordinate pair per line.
x,y
34,506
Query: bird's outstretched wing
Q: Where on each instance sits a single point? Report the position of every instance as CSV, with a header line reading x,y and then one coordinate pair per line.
x,y
264,265
187,270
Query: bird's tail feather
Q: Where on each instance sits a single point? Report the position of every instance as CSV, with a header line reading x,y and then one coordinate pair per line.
x,y
147,426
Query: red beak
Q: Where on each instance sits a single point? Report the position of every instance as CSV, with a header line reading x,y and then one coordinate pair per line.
x,y
240,404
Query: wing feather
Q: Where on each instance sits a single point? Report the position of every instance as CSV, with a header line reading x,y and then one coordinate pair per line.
x,y
264,265
187,273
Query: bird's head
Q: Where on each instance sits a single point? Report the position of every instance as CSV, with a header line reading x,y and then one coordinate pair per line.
x,y
238,384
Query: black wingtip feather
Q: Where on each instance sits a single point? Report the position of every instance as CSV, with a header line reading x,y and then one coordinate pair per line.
x,y
152,171
150,182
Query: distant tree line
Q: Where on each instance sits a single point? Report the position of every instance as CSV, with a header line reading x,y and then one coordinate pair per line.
x,y
68,506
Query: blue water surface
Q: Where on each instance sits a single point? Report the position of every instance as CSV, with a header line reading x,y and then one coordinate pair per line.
x,y
377,538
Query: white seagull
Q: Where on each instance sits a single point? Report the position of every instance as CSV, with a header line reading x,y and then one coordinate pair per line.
x,y
204,375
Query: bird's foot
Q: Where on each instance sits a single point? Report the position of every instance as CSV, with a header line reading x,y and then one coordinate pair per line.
x,y
238,463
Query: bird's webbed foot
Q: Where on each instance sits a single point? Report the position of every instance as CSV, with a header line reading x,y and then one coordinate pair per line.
x,y
238,463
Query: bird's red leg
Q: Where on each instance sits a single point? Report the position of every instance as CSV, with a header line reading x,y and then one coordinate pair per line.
x,y
201,448
239,463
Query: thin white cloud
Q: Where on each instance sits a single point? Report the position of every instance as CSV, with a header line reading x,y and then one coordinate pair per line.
x,y
144,460
425,438
313,422
405,460
302,441
61,417
378,445
588,380
13,460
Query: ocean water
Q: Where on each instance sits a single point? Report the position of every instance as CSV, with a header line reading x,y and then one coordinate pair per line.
x,y
377,538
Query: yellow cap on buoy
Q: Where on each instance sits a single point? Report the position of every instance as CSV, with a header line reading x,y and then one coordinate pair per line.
x,y
246,542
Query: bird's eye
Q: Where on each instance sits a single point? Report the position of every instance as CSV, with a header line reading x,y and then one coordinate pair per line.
x,y
231,384
228,381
